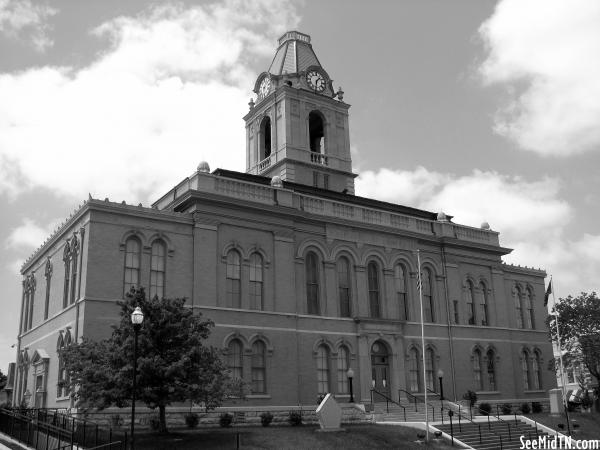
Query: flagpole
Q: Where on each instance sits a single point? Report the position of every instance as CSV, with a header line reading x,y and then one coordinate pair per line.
x,y
560,358
423,344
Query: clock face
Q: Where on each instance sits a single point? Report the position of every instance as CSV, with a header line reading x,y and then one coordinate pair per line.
x,y
315,80
264,88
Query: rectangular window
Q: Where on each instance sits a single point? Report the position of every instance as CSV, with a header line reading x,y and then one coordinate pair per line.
x,y
413,372
256,282
258,369
456,318
342,369
325,181
322,371
47,301
316,179
74,278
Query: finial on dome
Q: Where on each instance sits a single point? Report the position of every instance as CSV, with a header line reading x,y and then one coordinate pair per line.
x,y
485,226
204,167
276,182
441,217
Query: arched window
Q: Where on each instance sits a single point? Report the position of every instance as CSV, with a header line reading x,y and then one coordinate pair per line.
x,y
157,269
530,319
132,264
48,275
316,129
525,369
413,370
343,271
343,363
24,307
234,298
74,259
259,384
234,359
491,369
67,262
537,373
470,306
477,370
373,281
312,283
430,368
485,321
62,389
428,309
265,138
518,309
322,370
400,287
256,281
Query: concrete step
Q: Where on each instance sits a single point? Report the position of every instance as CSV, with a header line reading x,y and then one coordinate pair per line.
x,y
494,435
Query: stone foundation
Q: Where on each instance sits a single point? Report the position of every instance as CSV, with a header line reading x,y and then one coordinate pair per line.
x,y
242,416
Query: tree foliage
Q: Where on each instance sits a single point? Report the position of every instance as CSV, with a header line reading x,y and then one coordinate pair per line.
x,y
3,380
174,365
579,326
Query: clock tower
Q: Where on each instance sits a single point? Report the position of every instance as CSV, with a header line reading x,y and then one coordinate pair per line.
x,y
297,128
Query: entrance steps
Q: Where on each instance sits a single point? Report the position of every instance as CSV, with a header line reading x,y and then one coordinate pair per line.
x,y
494,435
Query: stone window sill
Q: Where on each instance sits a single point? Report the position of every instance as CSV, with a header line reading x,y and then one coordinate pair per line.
x,y
258,396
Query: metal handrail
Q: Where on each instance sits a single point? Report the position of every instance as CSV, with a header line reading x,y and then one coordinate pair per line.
x,y
461,416
441,403
417,399
387,400
498,418
109,445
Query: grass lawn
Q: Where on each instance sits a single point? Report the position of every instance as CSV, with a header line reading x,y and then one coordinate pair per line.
x,y
589,423
286,437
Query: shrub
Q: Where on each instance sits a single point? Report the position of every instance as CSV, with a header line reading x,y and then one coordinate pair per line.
x,y
471,397
295,418
525,409
536,407
116,420
191,420
506,408
485,409
155,422
225,420
266,418
586,400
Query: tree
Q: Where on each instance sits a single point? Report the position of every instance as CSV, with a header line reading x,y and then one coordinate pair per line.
x,y
173,363
579,323
3,380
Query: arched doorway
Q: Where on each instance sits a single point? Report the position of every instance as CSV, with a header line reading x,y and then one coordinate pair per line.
x,y
380,370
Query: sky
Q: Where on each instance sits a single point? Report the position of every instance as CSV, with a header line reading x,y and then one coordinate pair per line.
x,y
486,110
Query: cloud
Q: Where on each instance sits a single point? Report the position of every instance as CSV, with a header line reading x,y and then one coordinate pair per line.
x,y
168,92
545,53
23,19
530,216
28,235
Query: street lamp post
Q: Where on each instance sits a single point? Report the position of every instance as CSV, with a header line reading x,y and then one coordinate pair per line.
x,y
440,375
137,317
350,375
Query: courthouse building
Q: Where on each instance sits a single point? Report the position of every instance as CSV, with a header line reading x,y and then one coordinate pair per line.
x,y
303,278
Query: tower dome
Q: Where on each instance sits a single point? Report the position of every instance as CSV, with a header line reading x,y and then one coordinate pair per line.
x,y
204,167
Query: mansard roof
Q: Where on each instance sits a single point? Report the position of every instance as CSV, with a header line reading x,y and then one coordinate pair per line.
x,y
294,54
